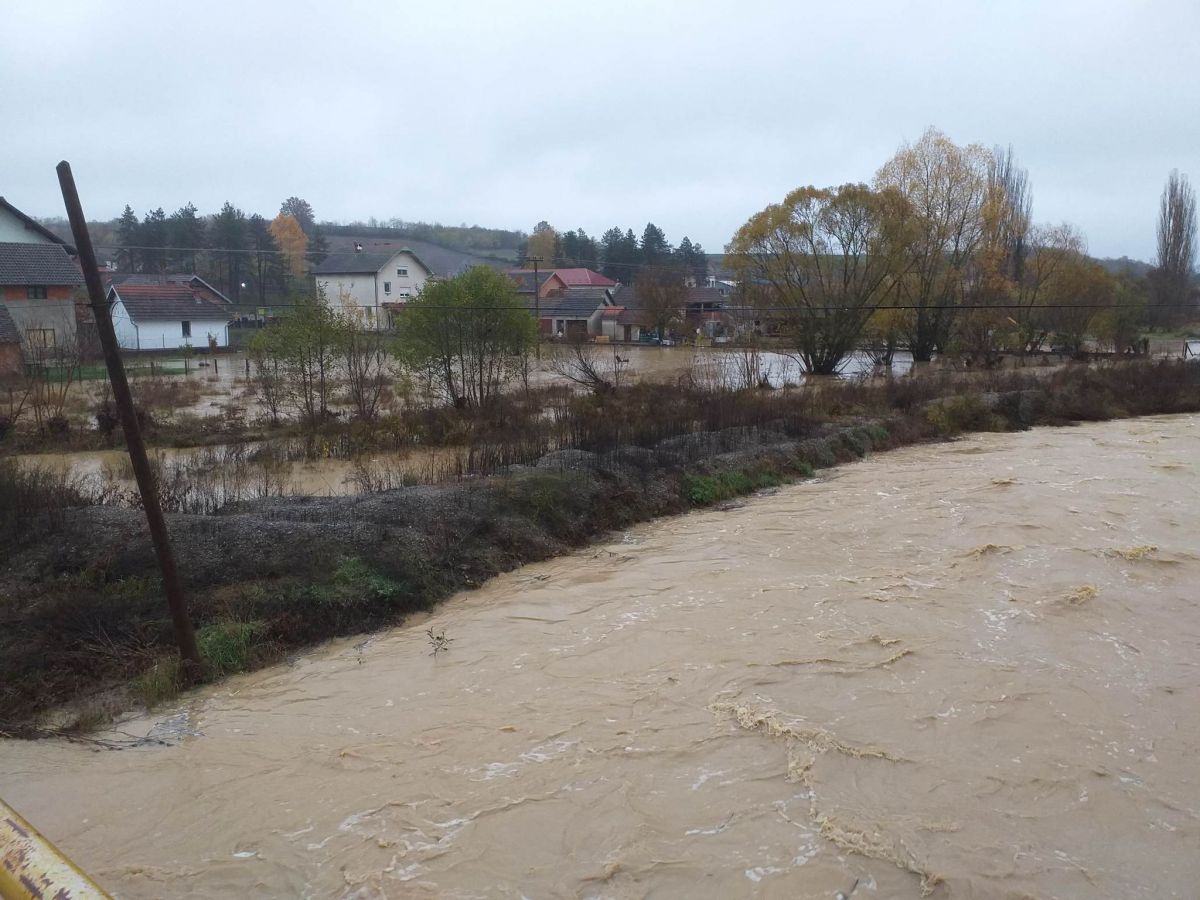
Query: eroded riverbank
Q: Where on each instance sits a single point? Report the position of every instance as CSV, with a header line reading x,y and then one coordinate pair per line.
x,y
973,662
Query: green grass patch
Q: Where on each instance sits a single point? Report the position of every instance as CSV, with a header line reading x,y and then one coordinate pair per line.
x,y
705,490
228,647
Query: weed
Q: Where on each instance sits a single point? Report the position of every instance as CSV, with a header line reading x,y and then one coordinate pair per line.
x,y
158,684
438,640
228,647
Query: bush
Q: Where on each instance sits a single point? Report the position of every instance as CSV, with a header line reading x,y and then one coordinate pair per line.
x,y
228,647
34,501
967,412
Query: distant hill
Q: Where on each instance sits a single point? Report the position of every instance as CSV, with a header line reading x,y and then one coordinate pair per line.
x,y
492,242
1124,265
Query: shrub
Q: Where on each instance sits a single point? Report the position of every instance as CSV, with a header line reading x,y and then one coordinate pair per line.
x,y
967,412
228,647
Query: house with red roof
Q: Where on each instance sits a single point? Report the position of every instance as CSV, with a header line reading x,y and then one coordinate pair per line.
x,y
167,315
578,278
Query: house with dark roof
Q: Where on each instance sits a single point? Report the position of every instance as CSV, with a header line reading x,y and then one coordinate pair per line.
x,y
372,283
379,277
167,316
576,313
40,282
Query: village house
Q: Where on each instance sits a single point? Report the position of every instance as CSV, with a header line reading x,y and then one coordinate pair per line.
x,y
167,316
40,283
198,284
549,282
371,282
378,277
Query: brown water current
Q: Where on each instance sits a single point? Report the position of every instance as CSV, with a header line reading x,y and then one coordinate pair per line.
x,y
967,670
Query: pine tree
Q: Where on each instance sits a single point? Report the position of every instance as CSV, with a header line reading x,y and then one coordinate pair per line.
x,y
185,231
266,264
129,236
229,240
655,249
610,253
153,237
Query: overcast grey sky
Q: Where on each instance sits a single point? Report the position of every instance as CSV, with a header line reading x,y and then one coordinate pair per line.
x,y
692,115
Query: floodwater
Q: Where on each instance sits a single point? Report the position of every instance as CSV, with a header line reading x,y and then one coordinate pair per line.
x,y
967,669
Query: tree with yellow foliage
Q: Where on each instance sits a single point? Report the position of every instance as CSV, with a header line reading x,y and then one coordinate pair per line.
x,y
825,258
292,241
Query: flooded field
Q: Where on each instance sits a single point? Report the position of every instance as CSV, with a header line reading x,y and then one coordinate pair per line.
x,y
967,670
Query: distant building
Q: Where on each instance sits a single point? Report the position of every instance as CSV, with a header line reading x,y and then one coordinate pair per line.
x,y
198,284
40,283
583,278
373,282
167,316
379,277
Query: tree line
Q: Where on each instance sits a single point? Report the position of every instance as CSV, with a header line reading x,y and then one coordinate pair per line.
x,y
618,254
940,254
251,259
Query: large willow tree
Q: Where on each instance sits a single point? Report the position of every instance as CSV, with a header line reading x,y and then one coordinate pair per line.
x,y
947,187
822,261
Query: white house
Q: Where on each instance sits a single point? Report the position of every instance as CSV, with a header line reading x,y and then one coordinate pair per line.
x,y
167,316
371,281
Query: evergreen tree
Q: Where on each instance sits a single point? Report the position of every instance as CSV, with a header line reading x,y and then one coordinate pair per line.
x,y
610,253
318,245
691,259
185,231
129,236
153,237
631,257
229,240
267,271
655,249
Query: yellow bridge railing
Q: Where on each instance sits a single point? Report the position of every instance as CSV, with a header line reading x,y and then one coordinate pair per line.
x,y
32,868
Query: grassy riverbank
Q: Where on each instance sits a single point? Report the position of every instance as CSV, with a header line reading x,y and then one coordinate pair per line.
x,y
83,628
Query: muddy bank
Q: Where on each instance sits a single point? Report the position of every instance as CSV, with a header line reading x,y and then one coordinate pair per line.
x,y
966,669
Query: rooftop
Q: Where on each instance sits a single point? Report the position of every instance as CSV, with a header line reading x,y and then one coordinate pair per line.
x,y
26,264
169,301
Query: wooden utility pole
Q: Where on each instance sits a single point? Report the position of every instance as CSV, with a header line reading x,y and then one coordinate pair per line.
x,y
185,636
537,303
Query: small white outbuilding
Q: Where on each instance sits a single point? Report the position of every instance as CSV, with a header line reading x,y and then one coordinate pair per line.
x,y
167,316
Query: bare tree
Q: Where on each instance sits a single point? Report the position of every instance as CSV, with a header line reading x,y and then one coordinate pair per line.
x,y
1176,248
662,295
587,365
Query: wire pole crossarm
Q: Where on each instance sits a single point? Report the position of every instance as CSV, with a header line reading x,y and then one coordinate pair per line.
x,y
185,636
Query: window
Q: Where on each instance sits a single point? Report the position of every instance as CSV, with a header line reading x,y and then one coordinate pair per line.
x,y
402,271
40,338
35,292
387,287
187,329
405,292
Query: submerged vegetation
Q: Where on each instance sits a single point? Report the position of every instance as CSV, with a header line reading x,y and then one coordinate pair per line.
x,y
84,623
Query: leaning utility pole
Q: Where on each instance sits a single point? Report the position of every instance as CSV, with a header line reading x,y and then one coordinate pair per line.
x,y
184,634
537,303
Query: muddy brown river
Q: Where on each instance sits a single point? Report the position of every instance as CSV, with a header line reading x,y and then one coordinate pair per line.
x,y
968,670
